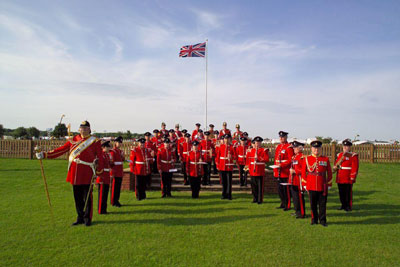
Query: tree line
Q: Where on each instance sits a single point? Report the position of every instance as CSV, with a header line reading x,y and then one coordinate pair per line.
x,y
59,132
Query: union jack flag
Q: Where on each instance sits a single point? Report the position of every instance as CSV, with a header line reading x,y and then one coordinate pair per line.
x,y
197,50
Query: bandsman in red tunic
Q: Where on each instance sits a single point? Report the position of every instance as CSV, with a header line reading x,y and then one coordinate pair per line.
x,y
238,133
163,130
224,131
194,167
207,149
216,144
184,150
283,158
241,151
141,160
226,155
150,145
346,166
83,150
255,163
317,178
178,133
103,180
213,134
157,141
166,166
117,171
196,131
295,180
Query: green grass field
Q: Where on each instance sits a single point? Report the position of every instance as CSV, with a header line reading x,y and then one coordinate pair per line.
x,y
194,232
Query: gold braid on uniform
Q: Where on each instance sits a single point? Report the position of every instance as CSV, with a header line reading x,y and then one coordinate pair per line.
x,y
313,166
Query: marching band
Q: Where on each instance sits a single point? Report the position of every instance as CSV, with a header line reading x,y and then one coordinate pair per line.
x,y
200,154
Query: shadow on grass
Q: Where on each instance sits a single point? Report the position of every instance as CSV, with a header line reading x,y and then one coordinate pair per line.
x,y
20,170
177,212
370,214
188,221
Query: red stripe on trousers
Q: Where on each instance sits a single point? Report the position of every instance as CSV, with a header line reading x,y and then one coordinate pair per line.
x,y
288,194
351,196
301,203
100,197
136,182
112,192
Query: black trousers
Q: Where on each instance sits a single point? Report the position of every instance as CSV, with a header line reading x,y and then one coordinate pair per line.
x,y
226,177
155,169
207,173
103,196
166,180
298,201
318,206
242,175
148,181
185,176
115,190
80,194
346,195
214,166
284,193
257,188
140,186
195,186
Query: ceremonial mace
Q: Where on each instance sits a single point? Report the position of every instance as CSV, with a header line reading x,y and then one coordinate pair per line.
x,y
38,150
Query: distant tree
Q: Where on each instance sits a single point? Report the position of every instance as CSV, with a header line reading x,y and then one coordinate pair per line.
x,y
20,132
33,132
60,130
324,140
1,131
128,135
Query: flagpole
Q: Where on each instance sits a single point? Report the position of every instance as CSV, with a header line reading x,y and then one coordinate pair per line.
x,y
206,80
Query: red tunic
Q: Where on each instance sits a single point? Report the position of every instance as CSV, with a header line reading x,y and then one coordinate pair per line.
x,y
117,162
237,134
241,151
207,149
297,163
156,141
79,173
316,173
141,161
255,160
165,159
150,145
225,155
104,177
348,168
283,156
194,134
223,132
193,168
184,150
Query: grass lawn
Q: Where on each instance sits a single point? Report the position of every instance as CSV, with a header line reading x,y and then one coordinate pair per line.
x,y
194,232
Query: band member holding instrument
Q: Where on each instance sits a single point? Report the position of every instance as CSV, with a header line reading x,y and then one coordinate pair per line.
x,y
156,139
194,168
195,131
163,131
184,150
83,150
117,171
141,162
346,166
165,165
241,151
178,134
103,180
255,163
212,132
283,157
295,180
152,147
207,149
224,131
317,174
225,155
215,143
238,134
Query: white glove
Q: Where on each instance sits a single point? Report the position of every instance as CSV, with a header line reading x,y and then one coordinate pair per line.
x,y
329,187
40,155
305,188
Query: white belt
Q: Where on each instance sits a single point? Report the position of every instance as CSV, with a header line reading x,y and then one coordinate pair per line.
x,y
140,162
106,170
240,156
90,164
345,168
165,161
195,163
258,163
281,160
207,150
223,158
118,163
185,153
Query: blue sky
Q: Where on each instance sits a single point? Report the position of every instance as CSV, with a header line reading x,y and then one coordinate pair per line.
x,y
327,68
